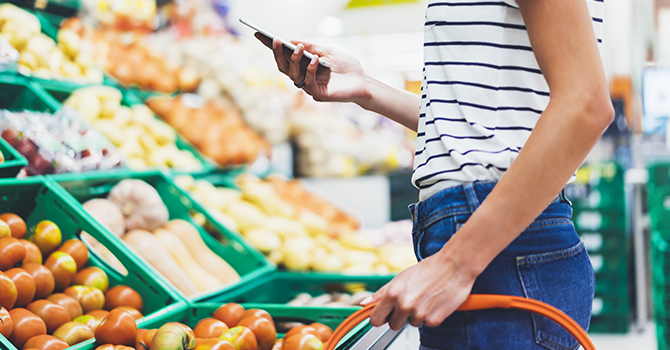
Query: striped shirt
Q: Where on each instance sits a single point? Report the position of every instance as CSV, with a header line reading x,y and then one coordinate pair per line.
x,y
482,91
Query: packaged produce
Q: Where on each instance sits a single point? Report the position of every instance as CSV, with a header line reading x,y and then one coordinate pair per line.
x,y
330,299
135,211
298,230
213,126
58,143
60,302
40,56
144,140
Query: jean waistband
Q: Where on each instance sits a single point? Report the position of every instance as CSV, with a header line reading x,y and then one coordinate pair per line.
x,y
465,199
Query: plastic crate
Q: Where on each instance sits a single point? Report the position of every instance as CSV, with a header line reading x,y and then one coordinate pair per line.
x,y
609,222
610,324
19,93
245,259
61,91
659,197
14,161
660,257
612,284
38,198
604,243
610,305
616,262
57,8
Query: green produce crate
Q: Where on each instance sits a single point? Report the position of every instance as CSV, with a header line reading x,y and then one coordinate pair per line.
x,y
604,243
659,197
612,284
19,93
56,8
660,257
61,92
611,222
245,259
38,198
610,324
281,287
196,312
14,161
610,263
610,305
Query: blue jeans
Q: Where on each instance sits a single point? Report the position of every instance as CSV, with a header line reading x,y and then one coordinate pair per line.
x,y
547,262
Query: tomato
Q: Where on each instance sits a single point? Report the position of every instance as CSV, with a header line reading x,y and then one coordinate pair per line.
x,y
264,330
91,322
242,338
324,331
47,237
302,330
214,344
26,326
25,286
172,336
105,347
118,327
8,291
90,298
33,254
5,230
6,323
257,313
131,310
77,250
92,276
52,314
63,267
185,327
229,314
279,344
73,332
70,304
98,313
209,328
303,342
11,252
139,340
16,224
43,278
123,296
45,342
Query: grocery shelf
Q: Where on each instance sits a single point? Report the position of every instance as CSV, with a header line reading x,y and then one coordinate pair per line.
x,y
250,264
39,198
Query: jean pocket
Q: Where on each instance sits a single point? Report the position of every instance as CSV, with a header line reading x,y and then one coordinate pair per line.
x,y
563,279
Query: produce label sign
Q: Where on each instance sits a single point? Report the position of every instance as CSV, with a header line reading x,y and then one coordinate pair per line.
x,y
370,3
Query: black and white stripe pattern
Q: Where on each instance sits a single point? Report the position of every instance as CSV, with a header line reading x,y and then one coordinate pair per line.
x,y
482,91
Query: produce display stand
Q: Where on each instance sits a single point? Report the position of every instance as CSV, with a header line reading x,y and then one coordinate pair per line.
x,y
65,8
39,198
14,161
249,263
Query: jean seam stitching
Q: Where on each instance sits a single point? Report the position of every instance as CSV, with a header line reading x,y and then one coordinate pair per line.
x,y
548,223
444,214
572,251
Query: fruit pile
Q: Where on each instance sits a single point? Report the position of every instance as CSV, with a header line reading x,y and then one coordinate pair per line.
x,y
49,299
230,327
143,139
135,211
297,229
40,56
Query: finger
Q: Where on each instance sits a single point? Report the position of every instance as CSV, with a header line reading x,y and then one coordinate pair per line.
x,y
310,78
416,322
378,294
278,51
398,318
381,313
264,39
294,69
312,48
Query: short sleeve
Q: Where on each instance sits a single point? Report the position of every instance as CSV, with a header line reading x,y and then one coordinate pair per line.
x,y
511,3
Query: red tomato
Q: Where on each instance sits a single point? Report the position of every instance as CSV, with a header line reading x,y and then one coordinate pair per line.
x,y
139,340
43,278
123,296
73,333
257,313
303,342
324,331
214,344
70,304
264,330
25,286
16,224
90,321
242,338
6,323
131,310
8,291
77,250
117,328
12,251
149,337
26,326
279,344
98,313
45,342
209,328
92,276
63,267
33,254
302,330
52,314
47,237
105,347
229,314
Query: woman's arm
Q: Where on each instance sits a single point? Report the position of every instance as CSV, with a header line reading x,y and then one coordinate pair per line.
x,y
579,110
346,81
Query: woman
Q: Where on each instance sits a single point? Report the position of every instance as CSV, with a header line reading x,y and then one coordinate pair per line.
x,y
486,111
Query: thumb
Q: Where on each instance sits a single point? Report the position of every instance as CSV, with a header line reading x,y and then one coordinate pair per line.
x,y
374,297
312,48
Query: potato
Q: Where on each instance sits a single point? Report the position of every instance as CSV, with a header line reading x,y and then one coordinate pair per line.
x,y
20,34
43,73
122,115
84,60
132,149
89,106
28,59
111,130
109,108
55,61
94,75
41,46
162,132
136,163
148,142
70,69
69,42
157,157
265,240
103,92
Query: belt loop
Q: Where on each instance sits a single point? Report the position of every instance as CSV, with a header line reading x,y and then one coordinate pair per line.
x,y
471,196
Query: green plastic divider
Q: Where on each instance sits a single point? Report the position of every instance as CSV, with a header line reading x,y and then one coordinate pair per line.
x,y
39,198
56,8
14,161
250,264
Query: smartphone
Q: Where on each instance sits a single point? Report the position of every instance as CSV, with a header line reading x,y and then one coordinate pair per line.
x,y
267,38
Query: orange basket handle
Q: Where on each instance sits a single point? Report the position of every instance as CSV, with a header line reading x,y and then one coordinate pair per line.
x,y
481,302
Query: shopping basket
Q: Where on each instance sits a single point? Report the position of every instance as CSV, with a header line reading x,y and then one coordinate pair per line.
x,y
480,302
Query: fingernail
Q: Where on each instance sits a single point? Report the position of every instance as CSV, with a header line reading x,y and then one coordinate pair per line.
x,y
314,60
366,300
297,49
